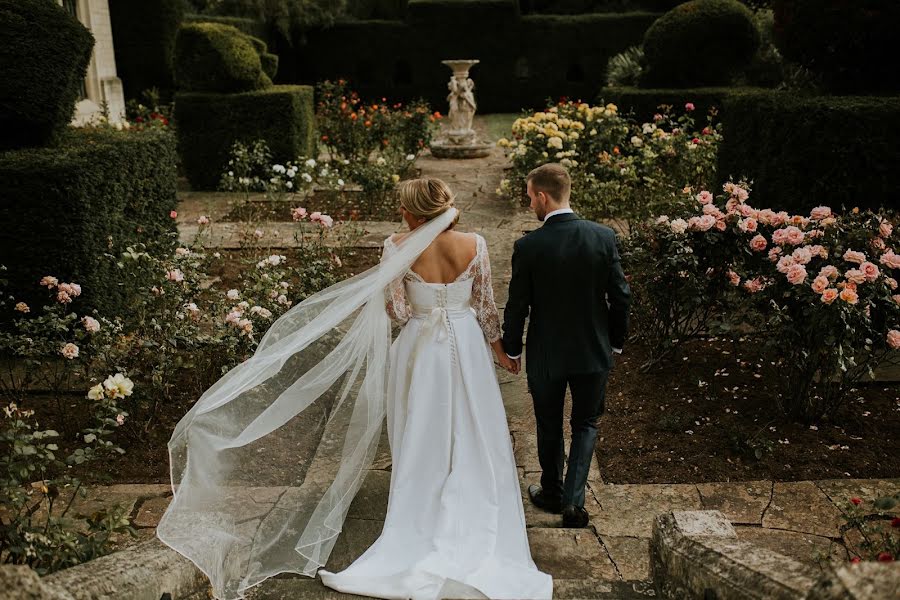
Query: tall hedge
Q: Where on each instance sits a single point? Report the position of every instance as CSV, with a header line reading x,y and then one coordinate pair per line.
x,y
43,61
699,43
144,35
65,207
210,57
208,125
252,27
644,102
403,60
803,152
851,45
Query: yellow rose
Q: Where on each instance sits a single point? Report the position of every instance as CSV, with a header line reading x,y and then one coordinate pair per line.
x,y
395,178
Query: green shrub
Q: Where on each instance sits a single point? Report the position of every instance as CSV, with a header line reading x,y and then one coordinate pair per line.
x,y
469,11
269,64
699,43
801,152
251,27
43,60
625,68
97,193
209,124
850,45
215,58
144,35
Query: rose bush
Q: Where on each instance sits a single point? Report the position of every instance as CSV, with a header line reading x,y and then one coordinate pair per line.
x,y
819,290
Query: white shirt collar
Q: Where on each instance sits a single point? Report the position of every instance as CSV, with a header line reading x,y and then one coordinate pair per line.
x,y
558,211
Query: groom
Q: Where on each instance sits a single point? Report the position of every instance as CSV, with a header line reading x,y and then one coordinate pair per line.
x,y
567,275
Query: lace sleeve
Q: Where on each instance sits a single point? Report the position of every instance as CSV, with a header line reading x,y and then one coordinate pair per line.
x,y
396,304
483,295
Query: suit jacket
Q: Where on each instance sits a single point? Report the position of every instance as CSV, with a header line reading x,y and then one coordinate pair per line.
x,y
567,275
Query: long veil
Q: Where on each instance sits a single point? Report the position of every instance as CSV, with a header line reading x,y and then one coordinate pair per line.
x,y
266,463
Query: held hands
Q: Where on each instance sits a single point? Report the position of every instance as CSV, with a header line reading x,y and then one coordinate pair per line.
x,y
510,364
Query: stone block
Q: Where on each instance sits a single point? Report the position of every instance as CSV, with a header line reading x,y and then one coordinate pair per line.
x,y
629,510
806,548
631,556
802,507
570,554
742,502
863,581
372,499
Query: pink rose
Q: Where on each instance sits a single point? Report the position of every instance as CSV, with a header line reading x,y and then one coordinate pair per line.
x,y
203,220
829,271
780,218
298,213
49,281
704,197
70,351
731,206
175,275
855,275
799,221
893,339
802,256
711,209
657,117
817,250
754,285
72,289
689,106
885,229
819,213
758,243
854,257
829,295
174,214
741,194
90,324
878,244
747,211
793,236
820,284
896,298
869,270
785,263
749,225
890,260
721,225
734,278
796,274
704,223
63,297
779,236
891,282
773,254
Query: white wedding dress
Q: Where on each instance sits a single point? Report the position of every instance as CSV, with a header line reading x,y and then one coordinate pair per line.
x,y
455,526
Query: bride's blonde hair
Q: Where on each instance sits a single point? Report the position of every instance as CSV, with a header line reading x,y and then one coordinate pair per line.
x,y
426,198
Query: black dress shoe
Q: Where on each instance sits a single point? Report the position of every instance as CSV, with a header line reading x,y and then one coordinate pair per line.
x,y
544,501
575,517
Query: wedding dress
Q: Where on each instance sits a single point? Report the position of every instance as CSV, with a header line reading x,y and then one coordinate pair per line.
x,y
455,527
266,463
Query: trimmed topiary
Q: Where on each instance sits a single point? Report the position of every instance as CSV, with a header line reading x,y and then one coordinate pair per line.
x,y
269,64
699,43
216,58
95,194
43,61
144,34
209,124
852,46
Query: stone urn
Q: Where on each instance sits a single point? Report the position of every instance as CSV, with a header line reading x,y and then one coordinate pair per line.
x,y
458,140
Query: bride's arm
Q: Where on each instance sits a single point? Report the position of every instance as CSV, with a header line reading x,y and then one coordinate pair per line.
x,y
484,305
395,301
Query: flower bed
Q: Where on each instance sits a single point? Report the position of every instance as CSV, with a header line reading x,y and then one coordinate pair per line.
x,y
620,168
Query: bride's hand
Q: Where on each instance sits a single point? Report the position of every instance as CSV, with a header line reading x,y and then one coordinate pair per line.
x,y
506,362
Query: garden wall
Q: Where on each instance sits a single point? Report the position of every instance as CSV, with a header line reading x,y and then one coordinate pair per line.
x,y
65,207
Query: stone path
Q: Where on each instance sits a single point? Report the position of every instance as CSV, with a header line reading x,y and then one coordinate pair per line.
x,y
609,559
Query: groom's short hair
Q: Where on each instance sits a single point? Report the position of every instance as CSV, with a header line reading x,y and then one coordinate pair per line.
x,y
552,179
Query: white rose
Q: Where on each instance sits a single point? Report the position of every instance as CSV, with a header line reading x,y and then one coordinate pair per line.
x,y
678,226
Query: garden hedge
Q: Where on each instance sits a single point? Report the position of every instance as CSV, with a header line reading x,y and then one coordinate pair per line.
x,y
210,57
144,34
251,27
644,102
208,125
851,45
98,192
394,58
803,152
43,61
699,43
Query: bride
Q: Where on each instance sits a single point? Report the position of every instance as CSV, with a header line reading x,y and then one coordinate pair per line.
x,y
248,504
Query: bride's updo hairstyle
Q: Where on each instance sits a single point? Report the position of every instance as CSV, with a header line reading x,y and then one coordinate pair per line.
x,y
426,198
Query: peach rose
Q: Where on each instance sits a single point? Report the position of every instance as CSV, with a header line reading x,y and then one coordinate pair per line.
x,y
855,276
754,285
766,216
849,295
802,256
734,278
748,225
854,257
793,236
829,295
891,282
819,213
896,298
890,260
773,254
758,243
785,263
820,284
704,197
885,229
796,274
829,271
706,222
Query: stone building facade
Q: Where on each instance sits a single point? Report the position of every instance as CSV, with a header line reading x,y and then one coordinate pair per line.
x,y
101,83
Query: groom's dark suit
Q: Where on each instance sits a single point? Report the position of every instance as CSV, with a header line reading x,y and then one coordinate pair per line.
x,y
567,274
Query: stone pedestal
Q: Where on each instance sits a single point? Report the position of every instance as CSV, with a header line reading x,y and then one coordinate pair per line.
x,y
458,139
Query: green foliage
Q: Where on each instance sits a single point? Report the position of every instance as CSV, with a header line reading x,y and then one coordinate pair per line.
x,y
249,26
644,103
209,124
100,191
215,58
799,150
283,15
144,35
877,527
699,43
269,64
625,69
850,45
43,61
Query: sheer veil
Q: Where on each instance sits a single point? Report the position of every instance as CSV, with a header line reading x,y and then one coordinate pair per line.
x,y
266,463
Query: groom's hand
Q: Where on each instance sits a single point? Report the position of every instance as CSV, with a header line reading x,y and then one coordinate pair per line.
x,y
517,365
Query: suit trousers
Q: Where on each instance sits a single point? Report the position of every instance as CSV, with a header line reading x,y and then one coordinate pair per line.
x,y
588,402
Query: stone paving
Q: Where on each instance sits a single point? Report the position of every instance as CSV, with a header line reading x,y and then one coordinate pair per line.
x,y
609,559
